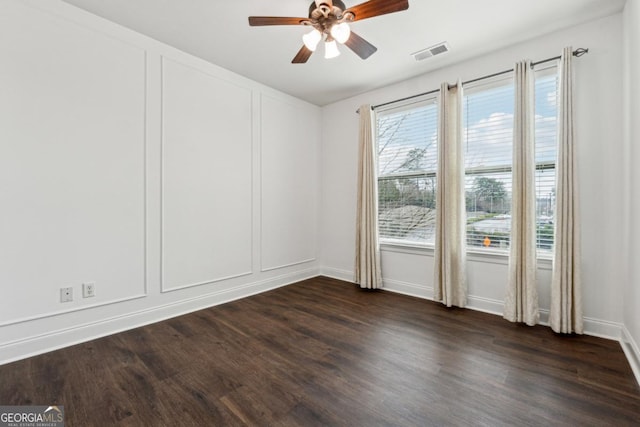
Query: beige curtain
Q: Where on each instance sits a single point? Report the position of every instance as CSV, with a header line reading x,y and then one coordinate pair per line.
x,y
521,301
450,283
367,270
566,289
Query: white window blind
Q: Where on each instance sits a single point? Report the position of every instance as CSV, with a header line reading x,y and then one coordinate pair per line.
x,y
488,121
546,155
407,162
488,142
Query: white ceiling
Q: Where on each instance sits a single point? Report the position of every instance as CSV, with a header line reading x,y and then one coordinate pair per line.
x,y
218,31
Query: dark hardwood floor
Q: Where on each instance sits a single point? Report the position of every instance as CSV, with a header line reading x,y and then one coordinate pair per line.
x,y
324,352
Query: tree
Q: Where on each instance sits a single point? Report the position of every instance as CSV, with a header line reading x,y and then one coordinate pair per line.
x,y
413,161
488,195
388,193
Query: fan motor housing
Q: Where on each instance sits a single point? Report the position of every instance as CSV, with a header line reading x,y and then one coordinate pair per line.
x,y
324,9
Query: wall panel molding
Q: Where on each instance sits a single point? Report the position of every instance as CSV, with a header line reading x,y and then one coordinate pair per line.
x,y
206,178
76,160
289,183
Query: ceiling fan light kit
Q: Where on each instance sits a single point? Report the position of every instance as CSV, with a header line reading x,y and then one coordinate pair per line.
x,y
331,49
312,39
330,19
341,32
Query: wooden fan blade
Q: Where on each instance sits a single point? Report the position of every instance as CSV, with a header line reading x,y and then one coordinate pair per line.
x,y
302,56
360,46
258,21
373,8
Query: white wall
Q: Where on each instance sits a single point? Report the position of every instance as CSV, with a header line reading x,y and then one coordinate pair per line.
x,y
631,337
599,134
165,180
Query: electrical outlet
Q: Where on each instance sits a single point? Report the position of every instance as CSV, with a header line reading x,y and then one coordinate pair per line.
x,y
66,294
88,290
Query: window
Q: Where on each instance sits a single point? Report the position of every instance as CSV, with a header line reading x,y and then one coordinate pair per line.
x,y
546,155
488,140
407,162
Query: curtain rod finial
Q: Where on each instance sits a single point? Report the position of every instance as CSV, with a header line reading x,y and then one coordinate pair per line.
x,y
580,51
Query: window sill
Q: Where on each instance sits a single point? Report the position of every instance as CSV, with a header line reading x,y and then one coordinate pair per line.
x,y
407,248
545,260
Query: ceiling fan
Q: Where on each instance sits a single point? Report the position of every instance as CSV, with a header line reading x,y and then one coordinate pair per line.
x,y
330,19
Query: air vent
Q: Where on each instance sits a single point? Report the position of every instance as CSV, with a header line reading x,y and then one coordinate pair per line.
x,y
431,51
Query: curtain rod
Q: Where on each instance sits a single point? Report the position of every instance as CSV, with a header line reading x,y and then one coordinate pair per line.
x,y
577,53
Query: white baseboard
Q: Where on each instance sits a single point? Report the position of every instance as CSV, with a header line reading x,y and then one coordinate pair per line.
x,y
396,286
594,327
34,345
632,351
410,289
336,273
485,305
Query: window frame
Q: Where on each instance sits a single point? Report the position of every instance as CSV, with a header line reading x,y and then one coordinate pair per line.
x,y
499,81
414,103
476,253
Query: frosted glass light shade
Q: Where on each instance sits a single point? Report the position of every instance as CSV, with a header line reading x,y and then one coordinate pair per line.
x,y
341,32
331,49
312,39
